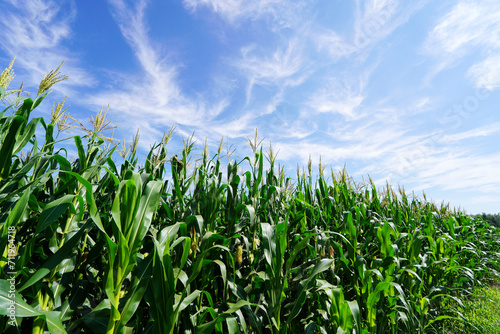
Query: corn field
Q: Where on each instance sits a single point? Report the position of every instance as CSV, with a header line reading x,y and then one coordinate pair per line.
x,y
189,242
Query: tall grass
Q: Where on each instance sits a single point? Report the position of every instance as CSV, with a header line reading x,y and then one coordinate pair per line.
x,y
482,311
107,247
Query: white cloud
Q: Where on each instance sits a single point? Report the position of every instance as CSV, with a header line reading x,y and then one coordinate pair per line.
x,y
133,28
328,101
336,46
459,171
344,97
437,164
152,99
237,128
374,141
283,13
486,74
483,131
34,25
35,32
232,9
283,68
467,24
469,27
374,21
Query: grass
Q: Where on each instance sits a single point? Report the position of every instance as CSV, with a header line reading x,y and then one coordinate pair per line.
x,y
180,244
484,310
481,311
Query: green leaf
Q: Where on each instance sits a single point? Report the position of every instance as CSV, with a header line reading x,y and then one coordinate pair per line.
x,y
167,235
185,252
351,229
296,250
232,325
147,208
372,301
197,221
269,242
16,214
109,286
186,301
64,252
124,207
223,272
8,144
137,289
209,327
306,285
353,305
26,134
53,211
92,207
81,153
25,108
22,309
39,100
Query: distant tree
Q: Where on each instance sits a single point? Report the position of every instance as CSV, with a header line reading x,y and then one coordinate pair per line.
x,y
494,219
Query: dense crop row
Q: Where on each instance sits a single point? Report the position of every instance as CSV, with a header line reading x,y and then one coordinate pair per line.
x,y
92,245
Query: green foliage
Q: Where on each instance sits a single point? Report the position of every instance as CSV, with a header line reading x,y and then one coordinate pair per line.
x,y
493,219
483,310
211,247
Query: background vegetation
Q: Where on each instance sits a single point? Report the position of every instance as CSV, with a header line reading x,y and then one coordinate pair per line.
x,y
178,245
493,219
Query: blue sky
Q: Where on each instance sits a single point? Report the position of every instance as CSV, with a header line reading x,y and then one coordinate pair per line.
x,y
403,91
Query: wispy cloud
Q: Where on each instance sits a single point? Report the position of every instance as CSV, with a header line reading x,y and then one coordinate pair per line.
x,y
35,33
152,99
132,23
334,44
470,26
282,12
466,24
367,140
338,98
283,68
462,171
486,74
482,131
374,21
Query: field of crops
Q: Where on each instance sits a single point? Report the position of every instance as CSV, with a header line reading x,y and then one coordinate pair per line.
x,y
189,242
